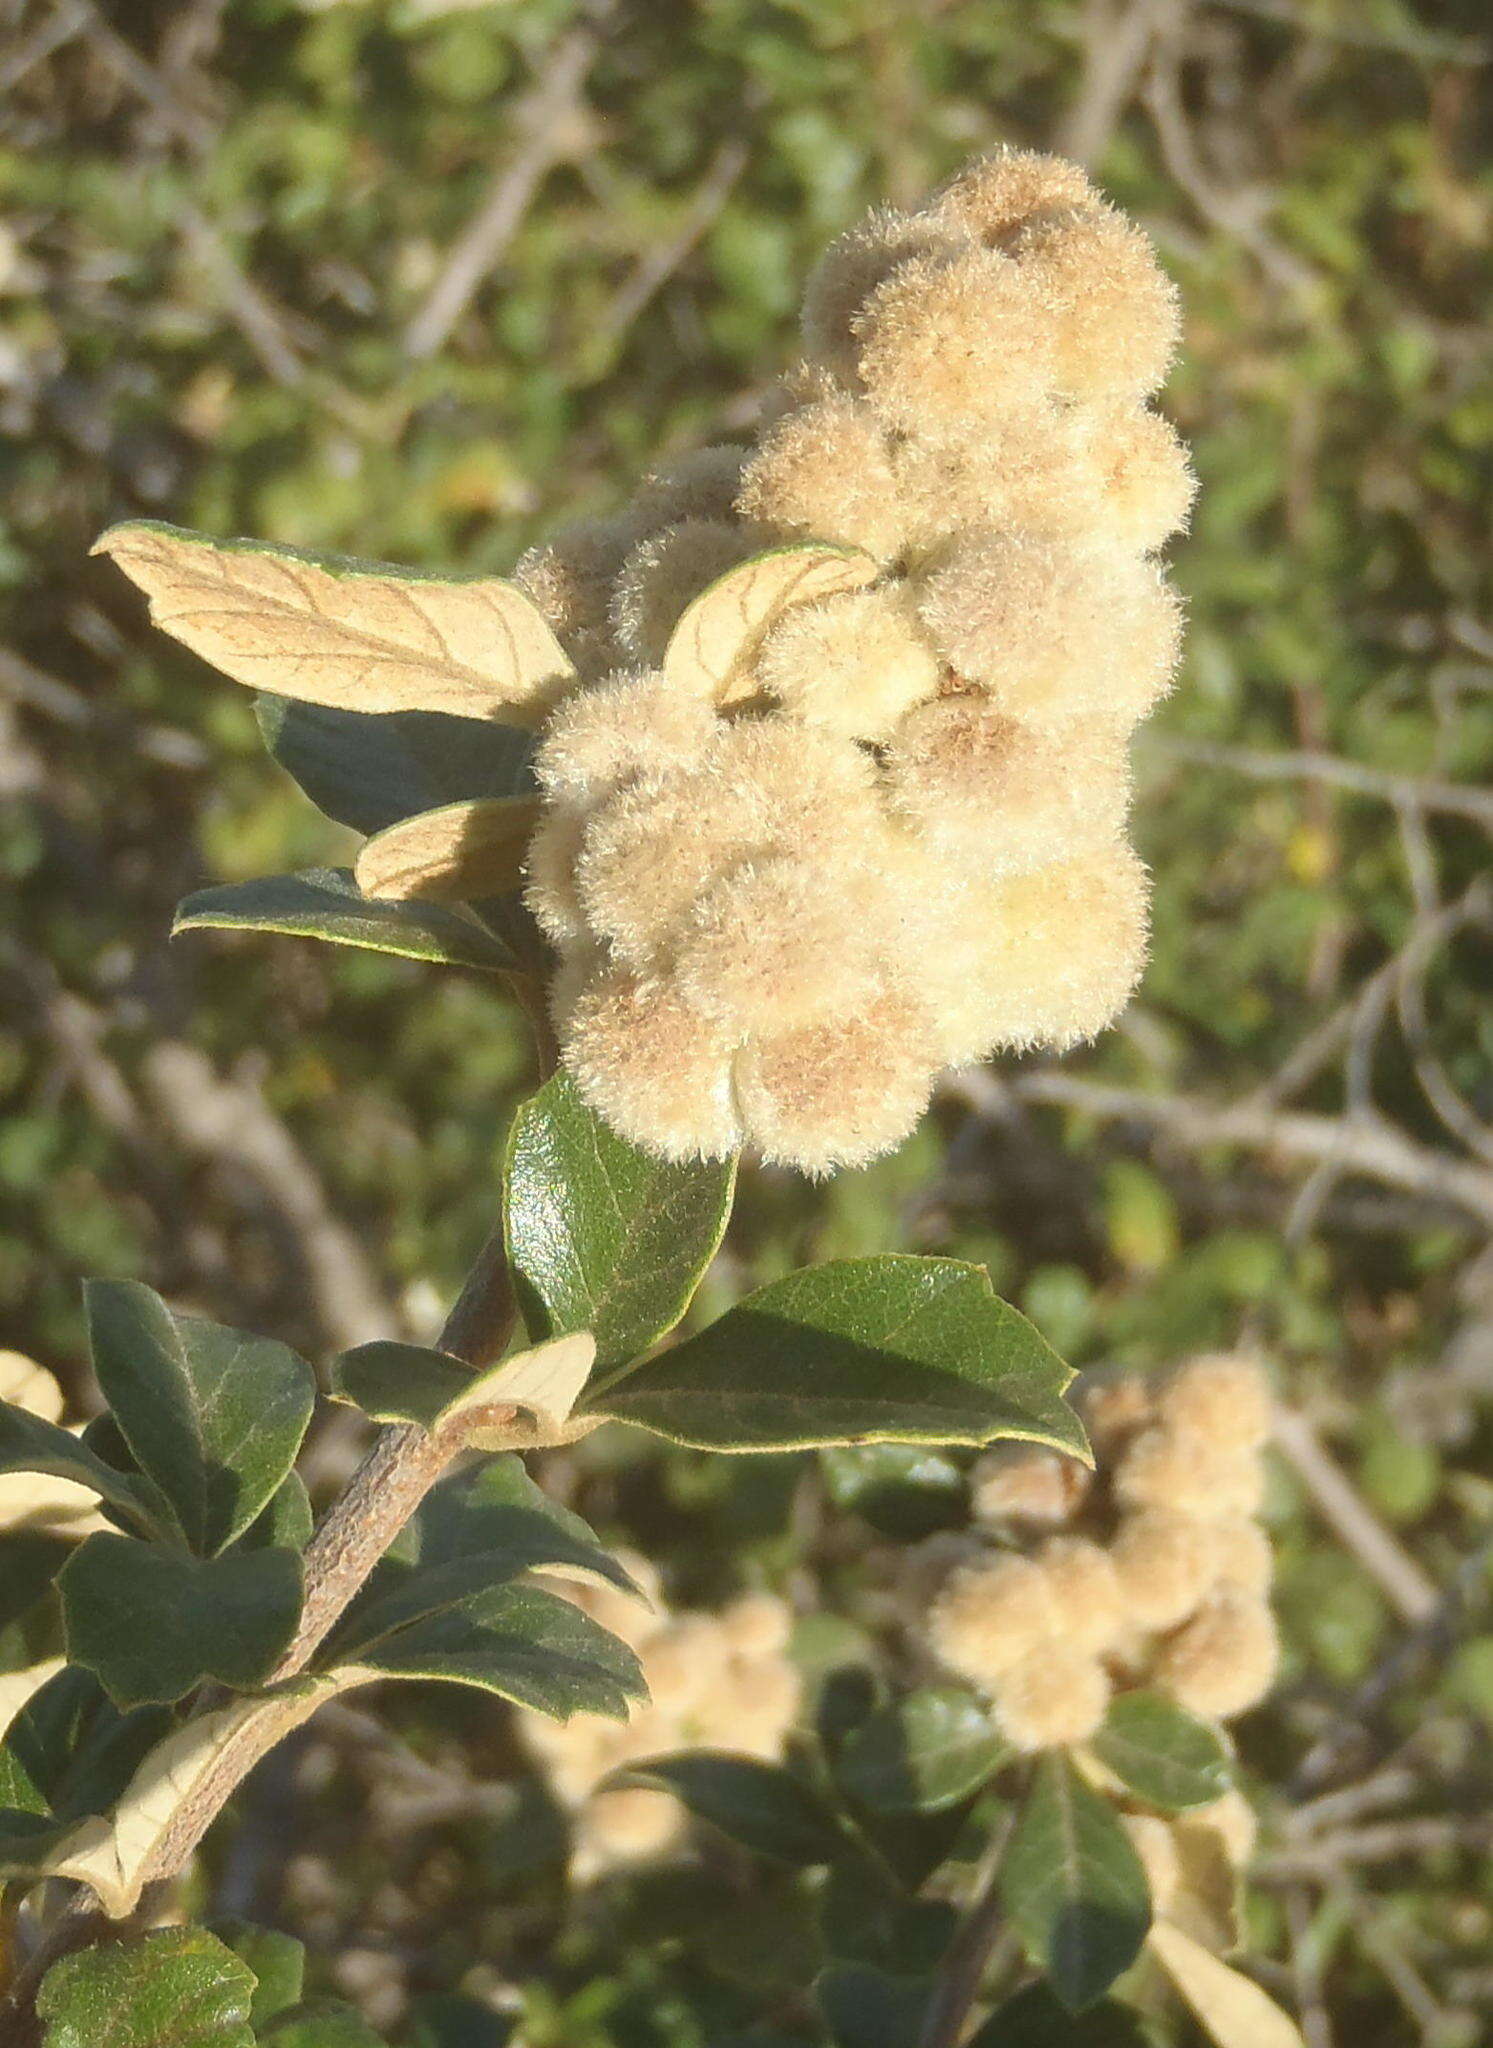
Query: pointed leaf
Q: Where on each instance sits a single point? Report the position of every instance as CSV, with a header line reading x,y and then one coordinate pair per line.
x,y
1234,2011
603,1237
29,1444
178,1988
892,1349
1073,1885
213,1416
1163,1754
525,1645
370,769
926,1751
278,1962
326,903
459,853
499,1511
760,1805
361,636
152,1624
407,1383
719,632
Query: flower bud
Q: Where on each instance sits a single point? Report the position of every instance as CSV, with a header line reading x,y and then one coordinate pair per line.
x,y
1051,1698
1224,1660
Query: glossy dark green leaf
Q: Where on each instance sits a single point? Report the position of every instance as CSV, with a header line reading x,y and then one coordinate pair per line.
x,y
862,1921
904,1490
760,1805
1073,1885
325,903
371,769
856,1351
179,1988
866,2008
70,1751
1163,1754
214,1417
927,1750
277,1960
28,1443
152,1624
499,1511
603,1237
320,2023
523,1644
1034,2018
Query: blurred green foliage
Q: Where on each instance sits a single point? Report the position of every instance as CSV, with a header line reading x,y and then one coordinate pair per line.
x,y
223,223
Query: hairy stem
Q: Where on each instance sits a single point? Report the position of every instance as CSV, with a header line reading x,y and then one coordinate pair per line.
x,y
962,1970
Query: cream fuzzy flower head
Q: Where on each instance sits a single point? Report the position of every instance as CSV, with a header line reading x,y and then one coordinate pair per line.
x,y
857,809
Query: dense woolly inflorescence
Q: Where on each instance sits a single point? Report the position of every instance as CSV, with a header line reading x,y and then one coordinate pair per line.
x,y
720,1680
889,836
1150,1571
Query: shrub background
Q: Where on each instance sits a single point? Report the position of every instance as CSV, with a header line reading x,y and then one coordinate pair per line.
x,y
421,284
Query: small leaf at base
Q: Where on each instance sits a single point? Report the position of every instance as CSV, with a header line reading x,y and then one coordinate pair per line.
x,y
178,1988
325,903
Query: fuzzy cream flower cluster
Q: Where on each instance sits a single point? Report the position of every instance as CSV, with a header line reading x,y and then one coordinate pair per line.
x,y
1151,1571
888,835
714,1680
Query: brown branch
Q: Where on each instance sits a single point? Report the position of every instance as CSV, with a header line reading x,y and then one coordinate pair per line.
x,y
1401,1580
1425,792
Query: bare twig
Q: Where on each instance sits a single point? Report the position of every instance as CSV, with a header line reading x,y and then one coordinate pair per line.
x,y
656,266
1401,1580
1428,792
962,1970
550,125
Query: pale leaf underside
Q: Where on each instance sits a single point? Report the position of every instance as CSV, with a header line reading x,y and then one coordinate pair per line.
x,y
461,852
718,634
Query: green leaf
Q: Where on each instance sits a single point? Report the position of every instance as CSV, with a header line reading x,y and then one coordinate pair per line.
x,y
904,1490
856,1351
447,2020
1035,2019
152,1624
176,1989
394,1382
213,1416
861,1921
30,1560
409,1383
286,1522
326,903
869,2009
499,1513
1073,1885
30,1444
321,2023
1163,1754
371,769
516,1641
762,1806
69,1752
277,1960
928,1750
603,1237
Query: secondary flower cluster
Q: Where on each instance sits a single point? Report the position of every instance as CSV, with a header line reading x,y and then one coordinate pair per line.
x,y
1153,1571
886,834
718,1680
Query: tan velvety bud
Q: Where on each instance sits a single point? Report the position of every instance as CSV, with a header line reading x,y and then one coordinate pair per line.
x,y
633,725
1165,1467
1164,1563
778,944
1024,1483
838,1093
1224,1398
1242,1557
700,485
1031,468
683,1662
648,855
1224,1660
758,1624
1054,632
1155,1843
1108,309
988,1614
550,872
1051,1698
855,663
25,1384
1114,1408
663,573
992,195
1233,1819
633,1822
570,579
758,1705
823,473
1004,796
1086,1592
948,343
1140,473
655,1069
850,270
